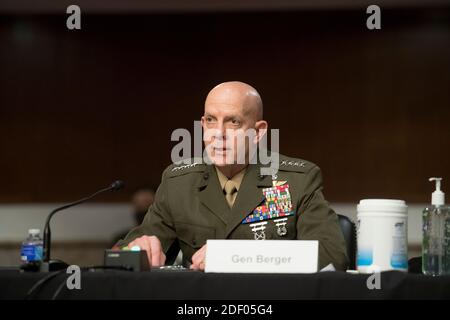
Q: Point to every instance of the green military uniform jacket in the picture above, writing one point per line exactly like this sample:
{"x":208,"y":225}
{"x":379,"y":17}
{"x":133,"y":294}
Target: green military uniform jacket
{"x":190,"y":208}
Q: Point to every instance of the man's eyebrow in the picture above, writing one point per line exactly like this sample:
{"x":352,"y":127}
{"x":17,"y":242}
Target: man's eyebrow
{"x":232,"y":117}
{"x":227,"y":118}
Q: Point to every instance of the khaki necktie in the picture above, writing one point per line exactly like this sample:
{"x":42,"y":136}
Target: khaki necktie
{"x":230,"y":192}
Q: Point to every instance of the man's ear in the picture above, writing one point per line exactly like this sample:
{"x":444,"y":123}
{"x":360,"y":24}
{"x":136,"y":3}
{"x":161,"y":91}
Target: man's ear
{"x":261,"y":129}
{"x":203,"y":122}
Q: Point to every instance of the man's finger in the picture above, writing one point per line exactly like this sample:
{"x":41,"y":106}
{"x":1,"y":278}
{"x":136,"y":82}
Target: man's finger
{"x":198,"y":258}
{"x":163,"y":258}
{"x":143,"y":245}
{"x":131,"y":244}
{"x":155,"y":247}
{"x":201,"y":264}
{"x":194,"y":259}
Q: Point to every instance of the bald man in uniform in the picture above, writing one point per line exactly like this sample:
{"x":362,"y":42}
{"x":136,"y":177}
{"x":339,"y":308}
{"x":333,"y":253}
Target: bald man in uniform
{"x":203,"y":201}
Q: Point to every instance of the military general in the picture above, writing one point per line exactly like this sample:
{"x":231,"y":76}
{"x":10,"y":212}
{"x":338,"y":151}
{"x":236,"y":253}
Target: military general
{"x":230,"y":199}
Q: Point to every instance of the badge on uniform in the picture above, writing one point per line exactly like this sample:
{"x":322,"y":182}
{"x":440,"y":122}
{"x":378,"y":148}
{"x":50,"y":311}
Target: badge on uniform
{"x":277,"y":206}
{"x":258,"y":230}
{"x":281,"y":226}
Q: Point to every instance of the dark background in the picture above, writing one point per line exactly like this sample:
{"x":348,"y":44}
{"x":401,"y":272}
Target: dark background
{"x":79,"y":109}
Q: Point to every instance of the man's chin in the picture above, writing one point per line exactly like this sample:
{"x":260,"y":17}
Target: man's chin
{"x":221,"y":161}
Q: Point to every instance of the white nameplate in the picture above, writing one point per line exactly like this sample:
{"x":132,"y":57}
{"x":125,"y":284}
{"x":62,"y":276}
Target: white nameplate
{"x":262,"y":256}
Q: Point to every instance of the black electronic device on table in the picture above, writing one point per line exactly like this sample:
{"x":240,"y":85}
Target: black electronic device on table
{"x":135,"y":260}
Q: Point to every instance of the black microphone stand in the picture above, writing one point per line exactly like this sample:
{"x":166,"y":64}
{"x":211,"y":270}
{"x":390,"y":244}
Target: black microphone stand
{"x":48,"y":264}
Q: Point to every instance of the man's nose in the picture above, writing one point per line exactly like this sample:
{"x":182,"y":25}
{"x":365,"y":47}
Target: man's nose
{"x":221,"y":131}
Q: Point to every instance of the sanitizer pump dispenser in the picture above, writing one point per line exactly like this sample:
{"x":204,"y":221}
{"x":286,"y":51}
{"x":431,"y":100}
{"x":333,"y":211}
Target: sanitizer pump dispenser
{"x":436,"y":234}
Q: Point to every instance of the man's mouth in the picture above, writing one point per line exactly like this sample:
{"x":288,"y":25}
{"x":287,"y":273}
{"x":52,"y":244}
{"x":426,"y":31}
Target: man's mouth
{"x":221,"y":150}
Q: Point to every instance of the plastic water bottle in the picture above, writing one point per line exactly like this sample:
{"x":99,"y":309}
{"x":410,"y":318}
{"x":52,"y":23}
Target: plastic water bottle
{"x":436,"y":235}
{"x":32,"y":249}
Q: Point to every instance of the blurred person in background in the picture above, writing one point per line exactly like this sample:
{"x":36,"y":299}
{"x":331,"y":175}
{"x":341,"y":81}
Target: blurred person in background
{"x":141,"y":200}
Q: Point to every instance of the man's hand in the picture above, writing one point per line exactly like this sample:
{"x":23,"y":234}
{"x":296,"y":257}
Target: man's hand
{"x":152,"y":245}
{"x":198,"y":259}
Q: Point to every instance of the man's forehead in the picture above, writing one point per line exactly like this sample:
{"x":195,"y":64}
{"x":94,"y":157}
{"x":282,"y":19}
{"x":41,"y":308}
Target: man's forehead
{"x":233,"y":98}
{"x":223,"y":107}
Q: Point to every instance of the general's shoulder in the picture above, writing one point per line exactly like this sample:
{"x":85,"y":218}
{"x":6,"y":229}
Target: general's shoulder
{"x":290,"y":164}
{"x":189,"y":166}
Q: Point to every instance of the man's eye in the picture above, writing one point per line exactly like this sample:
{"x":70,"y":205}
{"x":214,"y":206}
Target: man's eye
{"x":209,"y":119}
{"x":235,"y":122}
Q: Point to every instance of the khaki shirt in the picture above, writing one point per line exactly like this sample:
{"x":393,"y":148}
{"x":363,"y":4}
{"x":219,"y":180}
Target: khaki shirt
{"x":190,"y":208}
{"x":236,"y":179}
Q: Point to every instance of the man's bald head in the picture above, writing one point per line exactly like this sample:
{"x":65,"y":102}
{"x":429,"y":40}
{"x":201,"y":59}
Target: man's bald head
{"x":233,"y":113}
{"x":237,"y":94}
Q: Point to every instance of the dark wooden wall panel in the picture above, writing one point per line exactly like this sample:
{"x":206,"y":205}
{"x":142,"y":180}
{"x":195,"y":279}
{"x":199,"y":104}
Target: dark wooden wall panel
{"x":79,"y":109}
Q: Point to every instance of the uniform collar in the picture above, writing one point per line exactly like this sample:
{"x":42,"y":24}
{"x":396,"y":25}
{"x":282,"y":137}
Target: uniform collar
{"x":237,"y":178}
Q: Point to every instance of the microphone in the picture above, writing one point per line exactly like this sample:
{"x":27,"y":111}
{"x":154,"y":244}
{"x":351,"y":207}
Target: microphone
{"x":52,"y":265}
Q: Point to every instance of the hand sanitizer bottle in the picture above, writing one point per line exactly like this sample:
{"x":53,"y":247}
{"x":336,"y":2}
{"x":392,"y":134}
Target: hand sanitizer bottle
{"x":436,"y":234}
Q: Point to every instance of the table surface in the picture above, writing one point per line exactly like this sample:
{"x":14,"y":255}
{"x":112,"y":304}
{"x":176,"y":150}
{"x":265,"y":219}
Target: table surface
{"x":194,"y":285}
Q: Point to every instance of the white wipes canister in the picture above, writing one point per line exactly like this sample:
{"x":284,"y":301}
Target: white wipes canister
{"x":382,"y":230}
